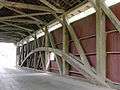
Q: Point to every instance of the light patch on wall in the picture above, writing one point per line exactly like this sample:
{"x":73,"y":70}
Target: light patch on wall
{"x":52,"y":56}
{"x":7,"y":55}
{"x":111,"y":2}
{"x":91,"y":11}
{"x":82,"y":15}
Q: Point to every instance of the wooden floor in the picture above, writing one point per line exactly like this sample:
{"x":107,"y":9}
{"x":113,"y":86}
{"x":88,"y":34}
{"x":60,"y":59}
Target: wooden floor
{"x":21,"y":79}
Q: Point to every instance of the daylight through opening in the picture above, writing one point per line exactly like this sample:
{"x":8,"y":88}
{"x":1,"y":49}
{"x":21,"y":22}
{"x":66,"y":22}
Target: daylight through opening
{"x":7,"y":54}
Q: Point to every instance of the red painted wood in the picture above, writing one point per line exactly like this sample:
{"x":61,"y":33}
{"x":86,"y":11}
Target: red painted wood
{"x":86,"y":28}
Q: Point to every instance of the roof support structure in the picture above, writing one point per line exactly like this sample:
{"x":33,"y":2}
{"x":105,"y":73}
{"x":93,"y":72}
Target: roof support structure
{"x":10,"y":24}
{"x":12,"y":32}
{"x":22,"y":13}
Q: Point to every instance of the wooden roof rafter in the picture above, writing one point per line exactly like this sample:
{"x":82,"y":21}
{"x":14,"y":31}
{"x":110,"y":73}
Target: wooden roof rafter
{"x":24,"y":6}
{"x":25,"y":15}
{"x":39,"y":12}
{"x":31,"y":17}
{"x":12,"y":32}
{"x":21,"y":21}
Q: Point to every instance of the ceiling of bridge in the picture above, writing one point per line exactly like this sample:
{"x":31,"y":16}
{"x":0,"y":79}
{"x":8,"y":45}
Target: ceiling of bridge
{"x":20,"y":18}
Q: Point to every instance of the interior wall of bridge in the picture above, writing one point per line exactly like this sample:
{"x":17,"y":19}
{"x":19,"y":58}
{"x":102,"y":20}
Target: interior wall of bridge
{"x":85,"y":30}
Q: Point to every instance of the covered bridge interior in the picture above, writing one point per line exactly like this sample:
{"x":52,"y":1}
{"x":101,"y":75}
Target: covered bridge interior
{"x":67,"y":39}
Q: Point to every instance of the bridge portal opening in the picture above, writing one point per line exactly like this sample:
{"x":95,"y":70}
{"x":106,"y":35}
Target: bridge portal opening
{"x":7,"y":54}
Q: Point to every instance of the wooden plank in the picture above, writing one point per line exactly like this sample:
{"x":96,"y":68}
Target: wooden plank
{"x":100,"y":42}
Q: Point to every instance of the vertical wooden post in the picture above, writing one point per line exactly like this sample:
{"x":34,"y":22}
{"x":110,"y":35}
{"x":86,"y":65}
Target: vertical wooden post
{"x":100,"y":41}
{"x":28,"y":53}
{"x":65,"y":49}
{"x":35,"y":54}
{"x":46,"y":53}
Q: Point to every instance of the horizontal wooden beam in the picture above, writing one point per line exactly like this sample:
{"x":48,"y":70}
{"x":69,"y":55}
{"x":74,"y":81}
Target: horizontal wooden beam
{"x":2,"y":36}
{"x":9,"y":28}
{"x":25,"y":15}
{"x":12,"y":32}
{"x":31,"y":17}
{"x":22,"y":21}
{"x":10,"y":24}
{"x":24,"y":6}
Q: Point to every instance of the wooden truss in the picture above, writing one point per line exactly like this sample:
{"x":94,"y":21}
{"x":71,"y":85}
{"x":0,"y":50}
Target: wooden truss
{"x":72,"y":60}
{"x":82,"y":63}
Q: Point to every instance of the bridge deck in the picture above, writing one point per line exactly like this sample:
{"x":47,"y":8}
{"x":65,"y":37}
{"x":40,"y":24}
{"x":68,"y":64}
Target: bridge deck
{"x":20,"y":79}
